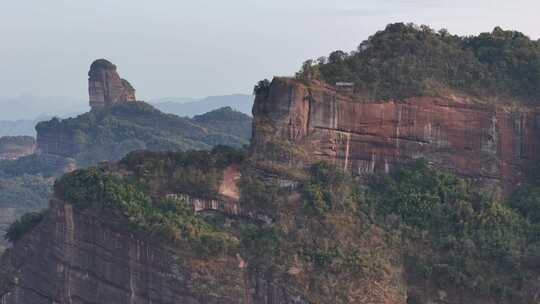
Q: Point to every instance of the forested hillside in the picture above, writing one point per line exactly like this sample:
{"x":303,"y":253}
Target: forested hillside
{"x":406,"y":60}
{"x":111,"y":133}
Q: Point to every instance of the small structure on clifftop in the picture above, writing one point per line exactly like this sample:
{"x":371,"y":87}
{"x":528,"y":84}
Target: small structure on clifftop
{"x":345,"y":86}
{"x":105,"y":86}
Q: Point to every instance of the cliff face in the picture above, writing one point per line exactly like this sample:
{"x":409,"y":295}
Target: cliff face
{"x":90,"y":256}
{"x":105,"y":86}
{"x":14,"y":147}
{"x":86,"y":257}
{"x":56,"y":141}
{"x":487,"y":142}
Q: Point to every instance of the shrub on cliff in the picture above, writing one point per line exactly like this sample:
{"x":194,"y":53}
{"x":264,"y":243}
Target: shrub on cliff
{"x":262,"y":88}
{"x":258,"y":194}
{"x":192,"y":172}
{"x":139,"y":196}
{"x":23,"y":225}
{"x":316,"y":235}
{"x":406,"y":60}
{"x":328,"y":188}
{"x":526,"y":201}
{"x":475,"y":242}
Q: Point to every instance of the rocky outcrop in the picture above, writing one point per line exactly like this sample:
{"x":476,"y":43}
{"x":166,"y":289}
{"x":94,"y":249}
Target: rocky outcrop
{"x":87,"y":256}
{"x":14,"y":147}
{"x":56,"y":146}
{"x":124,"y":124}
{"x":105,"y":86}
{"x":482,"y":141}
{"x":58,"y":143}
{"x":55,"y":139}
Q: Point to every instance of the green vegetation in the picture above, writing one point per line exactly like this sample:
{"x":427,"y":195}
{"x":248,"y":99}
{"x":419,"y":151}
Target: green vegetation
{"x":140,"y":196}
{"x":111,"y":133}
{"x":25,"y":192}
{"x":228,"y":121}
{"x":24,"y":225}
{"x":332,"y":197}
{"x":526,"y":201}
{"x":103,"y":64}
{"x":456,"y":235}
{"x":260,"y":243}
{"x":28,"y":165}
{"x":328,"y":189}
{"x":196,"y":173}
{"x":449,"y":234}
{"x":258,"y":194}
{"x":262,"y":88}
{"x":171,"y":220}
{"x":406,"y":60}
{"x":316,"y":230}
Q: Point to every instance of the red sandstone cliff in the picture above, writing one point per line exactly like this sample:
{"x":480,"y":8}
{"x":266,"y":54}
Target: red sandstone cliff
{"x":105,"y":86}
{"x":492,"y":143}
{"x":90,"y":256}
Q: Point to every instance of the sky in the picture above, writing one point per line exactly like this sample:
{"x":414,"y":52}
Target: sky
{"x":205,"y":47}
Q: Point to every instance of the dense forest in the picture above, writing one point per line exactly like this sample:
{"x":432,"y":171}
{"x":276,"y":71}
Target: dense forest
{"x":406,"y":60}
{"x":110,"y":134}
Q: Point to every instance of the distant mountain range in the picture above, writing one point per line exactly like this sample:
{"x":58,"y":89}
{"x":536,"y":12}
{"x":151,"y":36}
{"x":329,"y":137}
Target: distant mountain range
{"x":28,"y":107}
{"x":20,"y":127}
{"x":181,"y":106}
{"x":191,"y":107}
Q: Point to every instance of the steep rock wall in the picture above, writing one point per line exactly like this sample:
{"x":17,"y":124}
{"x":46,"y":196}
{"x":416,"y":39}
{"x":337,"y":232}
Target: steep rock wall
{"x":56,"y":141}
{"x":481,"y":141}
{"x":105,"y":87}
{"x":86,"y":256}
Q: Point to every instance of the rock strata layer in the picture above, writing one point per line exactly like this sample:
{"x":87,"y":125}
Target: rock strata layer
{"x":487,"y":142}
{"x":86,"y":256}
{"x":105,"y":86}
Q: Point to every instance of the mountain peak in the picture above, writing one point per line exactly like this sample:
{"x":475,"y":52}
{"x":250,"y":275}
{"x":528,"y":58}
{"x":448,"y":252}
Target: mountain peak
{"x":105,"y":87}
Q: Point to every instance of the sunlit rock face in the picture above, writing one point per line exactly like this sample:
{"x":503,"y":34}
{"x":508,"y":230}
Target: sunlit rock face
{"x":482,"y":141}
{"x":105,"y":87}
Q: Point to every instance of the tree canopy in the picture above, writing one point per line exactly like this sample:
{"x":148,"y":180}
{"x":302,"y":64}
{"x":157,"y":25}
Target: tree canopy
{"x":406,"y":60}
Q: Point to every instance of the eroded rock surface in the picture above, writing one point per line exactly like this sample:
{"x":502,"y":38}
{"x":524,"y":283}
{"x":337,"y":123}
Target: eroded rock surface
{"x":105,"y":86}
{"x":76,"y":256}
{"x":488,"y":142}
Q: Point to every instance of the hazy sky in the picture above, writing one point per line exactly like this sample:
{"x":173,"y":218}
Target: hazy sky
{"x":203,"y":47}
